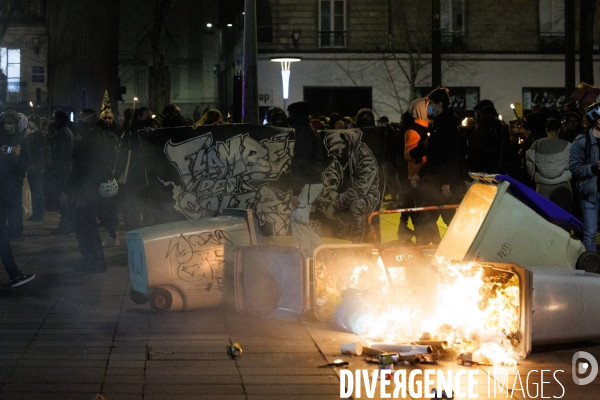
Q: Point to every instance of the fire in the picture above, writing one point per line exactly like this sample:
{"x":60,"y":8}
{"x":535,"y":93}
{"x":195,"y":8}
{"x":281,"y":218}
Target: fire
{"x":477,"y":311}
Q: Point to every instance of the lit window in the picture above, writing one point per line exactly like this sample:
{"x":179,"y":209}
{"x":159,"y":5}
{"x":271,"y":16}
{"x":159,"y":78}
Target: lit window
{"x":332,"y":23}
{"x":10,"y":63}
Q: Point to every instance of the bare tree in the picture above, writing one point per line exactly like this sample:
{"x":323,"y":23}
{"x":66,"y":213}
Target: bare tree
{"x":149,"y":47}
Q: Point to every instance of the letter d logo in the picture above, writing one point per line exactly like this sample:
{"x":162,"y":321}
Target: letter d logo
{"x":580,"y":368}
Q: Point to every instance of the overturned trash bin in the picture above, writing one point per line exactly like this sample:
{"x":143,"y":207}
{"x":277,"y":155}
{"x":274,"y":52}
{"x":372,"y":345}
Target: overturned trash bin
{"x":511,"y":223}
{"x":188,"y":264}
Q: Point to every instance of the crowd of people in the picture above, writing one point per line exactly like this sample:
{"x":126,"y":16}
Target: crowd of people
{"x":84,"y":169}
{"x":90,"y":169}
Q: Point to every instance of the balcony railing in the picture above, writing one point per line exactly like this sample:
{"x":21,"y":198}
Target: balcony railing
{"x":332,"y":39}
{"x":25,"y":11}
{"x":552,"y":43}
{"x":16,"y":93}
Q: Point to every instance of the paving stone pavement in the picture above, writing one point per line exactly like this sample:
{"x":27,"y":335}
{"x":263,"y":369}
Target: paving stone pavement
{"x":69,"y":335}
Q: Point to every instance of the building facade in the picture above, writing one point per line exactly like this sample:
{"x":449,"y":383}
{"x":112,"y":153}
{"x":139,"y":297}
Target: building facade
{"x":377,"y":53}
{"x":24,"y":57}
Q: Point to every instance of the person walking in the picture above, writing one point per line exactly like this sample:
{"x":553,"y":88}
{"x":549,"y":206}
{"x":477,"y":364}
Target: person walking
{"x":415,"y":156}
{"x":440,"y":177}
{"x":584,"y":164}
{"x":17,"y":277}
{"x":90,"y":168}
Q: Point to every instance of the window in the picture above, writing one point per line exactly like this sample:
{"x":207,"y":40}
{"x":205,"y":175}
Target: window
{"x":461,"y":98}
{"x":552,"y":26}
{"x":264,"y":22}
{"x":332,"y":23}
{"x":452,"y":24}
{"x":10,"y":64}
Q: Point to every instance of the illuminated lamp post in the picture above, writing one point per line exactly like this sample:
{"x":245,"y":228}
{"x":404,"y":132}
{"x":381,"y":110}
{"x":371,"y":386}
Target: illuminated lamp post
{"x":285,"y":76}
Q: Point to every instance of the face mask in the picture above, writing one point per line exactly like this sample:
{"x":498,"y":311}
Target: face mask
{"x":9,"y":128}
{"x":430,"y":110}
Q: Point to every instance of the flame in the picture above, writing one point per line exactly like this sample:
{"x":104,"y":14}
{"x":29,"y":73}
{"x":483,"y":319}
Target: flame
{"x":475,"y":313}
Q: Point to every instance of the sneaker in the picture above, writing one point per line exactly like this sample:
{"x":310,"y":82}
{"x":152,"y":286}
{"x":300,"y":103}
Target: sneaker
{"x":21,"y":279}
{"x":110,"y":242}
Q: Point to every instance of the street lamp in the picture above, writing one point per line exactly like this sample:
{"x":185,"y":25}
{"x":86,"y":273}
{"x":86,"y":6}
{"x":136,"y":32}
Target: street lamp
{"x":286,"y":62}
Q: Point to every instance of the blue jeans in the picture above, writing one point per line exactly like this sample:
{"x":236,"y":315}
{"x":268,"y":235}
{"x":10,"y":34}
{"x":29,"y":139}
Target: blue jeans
{"x":590,"y":223}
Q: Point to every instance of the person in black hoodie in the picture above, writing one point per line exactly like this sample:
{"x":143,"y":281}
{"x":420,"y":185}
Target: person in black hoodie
{"x":489,"y":146}
{"x":13,"y":175}
{"x":440,"y":177}
{"x":59,"y":168}
{"x":307,"y":182}
{"x":90,"y":168}
{"x":131,"y":171}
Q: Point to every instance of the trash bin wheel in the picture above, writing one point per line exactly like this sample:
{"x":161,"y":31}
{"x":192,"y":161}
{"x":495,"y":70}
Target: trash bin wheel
{"x":161,"y":300}
{"x":589,"y":262}
{"x":137,"y":297}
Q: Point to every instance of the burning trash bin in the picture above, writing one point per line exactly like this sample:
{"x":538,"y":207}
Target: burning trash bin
{"x":493,"y":311}
{"x":510,"y":223}
{"x":188,"y":264}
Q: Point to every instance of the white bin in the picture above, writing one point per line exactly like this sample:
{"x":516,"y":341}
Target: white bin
{"x":184,"y":265}
{"x":492,"y":225}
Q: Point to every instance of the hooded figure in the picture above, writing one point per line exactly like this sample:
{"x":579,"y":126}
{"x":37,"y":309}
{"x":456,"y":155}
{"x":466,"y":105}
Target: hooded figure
{"x":351,"y":181}
{"x":365,"y":118}
{"x":277,"y":117}
{"x":489,"y":145}
{"x":415,"y":136}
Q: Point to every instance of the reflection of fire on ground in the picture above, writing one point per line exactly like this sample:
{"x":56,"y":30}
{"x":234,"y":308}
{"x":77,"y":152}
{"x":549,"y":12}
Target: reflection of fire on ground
{"x":475,"y":308}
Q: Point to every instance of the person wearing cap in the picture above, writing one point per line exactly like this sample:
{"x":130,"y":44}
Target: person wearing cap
{"x":584,"y":164}
{"x":307,"y":182}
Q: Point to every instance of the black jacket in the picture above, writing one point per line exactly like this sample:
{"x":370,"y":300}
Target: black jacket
{"x":14,"y":168}
{"x":130,"y":141}
{"x":443,"y":149}
{"x":90,"y":168}
{"x":308,"y":155}
{"x":61,"y":154}
{"x":37,"y":151}
{"x":489,"y":148}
